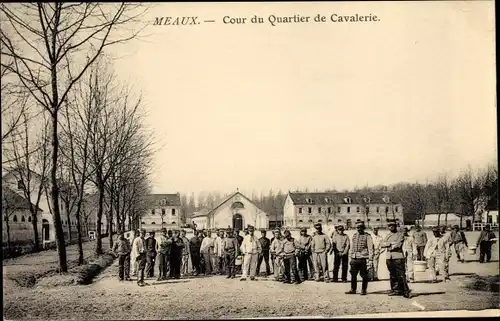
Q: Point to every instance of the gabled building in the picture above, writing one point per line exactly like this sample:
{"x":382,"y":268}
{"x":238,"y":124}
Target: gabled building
{"x":164,"y":210}
{"x":237,"y":212}
{"x":338,"y":208}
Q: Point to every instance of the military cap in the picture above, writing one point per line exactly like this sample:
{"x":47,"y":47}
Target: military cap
{"x":360,"y":224}
{"x":391,"y":222}
{"x":276,"y":230}
{"x":339,"y":227}
{"x":163,"y":230}
{"x":317,"y":225}
{"x":287,"y":232}
{"x":303,"y":229}
{"x":251,"y":228}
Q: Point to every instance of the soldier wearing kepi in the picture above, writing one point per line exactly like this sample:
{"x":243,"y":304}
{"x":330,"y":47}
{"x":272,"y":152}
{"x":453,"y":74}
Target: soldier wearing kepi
{"x":393,"y":243}
{"x":320,"y":246}
{"x":361,"y":254}
{"x":230,"y":246}
{"x":289,"y":250}
{"x":340,"y":248}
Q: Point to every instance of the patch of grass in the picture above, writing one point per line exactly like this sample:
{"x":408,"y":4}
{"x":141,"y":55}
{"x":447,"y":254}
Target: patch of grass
{"x":482,"y":283}
{"x":86,"y":273}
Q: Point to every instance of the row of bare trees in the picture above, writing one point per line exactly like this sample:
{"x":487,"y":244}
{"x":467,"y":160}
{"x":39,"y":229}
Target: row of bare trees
{"x":69,"y":120}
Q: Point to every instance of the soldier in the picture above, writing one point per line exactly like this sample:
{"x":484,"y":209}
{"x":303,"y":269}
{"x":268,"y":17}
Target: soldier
{"x":207,"y":251}
{"x":265,"y":244}
{"x":435,"y":251}
{"x":393,"y":243}
{"x":133,"y":257}
{"x":320,"y":246}
{"x":377,"y":250}
{"x":139,"y":249}
{"x":185,"y":254}
{"x":304,"y":256}
{"x":122,"y":249}
{"x":238,"y":238}
{"x":218,"y":258}
{"x":484,"y":242}
{"x":289,"y":249}
{"x":127,"y":259}
{"x":163,"y":249}
{"x":176,"y":255}
{"x":410,"y":253}
{"x":151,"y":254}
{"x":230,"y":250}
{"x":460,"y":243}
{"x":361,"y":254}
{"x":340,"y":248}
{"x":275,"y":251}
{"x":194,"y":249}
{"x":251,"y":249}
{"x":420,"y":238}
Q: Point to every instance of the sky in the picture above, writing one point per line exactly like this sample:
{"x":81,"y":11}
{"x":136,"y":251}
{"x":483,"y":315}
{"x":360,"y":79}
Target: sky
{"x":255,"y":107}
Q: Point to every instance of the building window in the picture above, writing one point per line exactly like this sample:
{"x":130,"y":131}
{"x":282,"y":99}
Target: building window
{"x":153,"y":222}
{"x":309,"y":200}
{"x":378,"y":209}
{"x":357,"y":209}
{"x":163,"y":202}
{"x":309,"y":210}
{"x":143,"y":223}
{"x":173,"y":212}
{"x":173,"y":223}
{"x":358,"y":220}
{"x":163,"y":211}
{"x":368,"y":220}
{"x":153,"y":211}
{"x":378,"y":220}
{"x":348,"y":200}
{"x":320,"y":221}
{"x":319,"y":210}
{"x":29,"y":218}
{"x":348,"y":209}
{"x":396,"y":209}
{"x":310,"y":221}
{"x":387,"y":209}
{"x":338,"y":209}
{"x":339,"y":220}
{"x":300,"y":210}
{"x":23,"y":219}
{"x":300,"y":221}
{"x":327,"y":200}
{"x":329,"y":210}
{"x":330,"y":220}
{"x":20,"y":184}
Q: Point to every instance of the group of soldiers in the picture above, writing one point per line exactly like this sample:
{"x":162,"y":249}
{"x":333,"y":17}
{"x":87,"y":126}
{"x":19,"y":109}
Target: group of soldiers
{"x":297,"y":260}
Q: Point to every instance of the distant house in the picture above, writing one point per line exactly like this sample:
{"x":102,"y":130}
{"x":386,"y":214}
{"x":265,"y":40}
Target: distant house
{"x":164,"y":210}
{"x":237,"y":212}
{"x":11,"y":179}
{"x":338,"y":208}
{"x":17,"y":219}
{"x":431,"y":220}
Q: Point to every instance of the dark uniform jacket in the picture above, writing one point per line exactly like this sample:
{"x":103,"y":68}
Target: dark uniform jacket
{"x":151,"y":245}
{"x":265,"y":243}
{"x":176,"y":247}
{"x":195,"y":244}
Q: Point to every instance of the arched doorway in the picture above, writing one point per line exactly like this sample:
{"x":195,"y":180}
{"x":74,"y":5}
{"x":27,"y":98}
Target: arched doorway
{"x":45,"y":230}
{"x":238,"y":222}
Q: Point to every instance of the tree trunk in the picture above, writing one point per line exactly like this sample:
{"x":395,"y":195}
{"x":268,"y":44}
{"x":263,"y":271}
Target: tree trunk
{"x":110,"y":223}
{"x":98,"y":244}
{"x":79,"y":231}
{"x":446,"y":219}
{"x":461,"y":218}
{"x":34,"y":222}
{"x":61,"y":245}
{"x":439,"y":219}
{"x":68,"y":216}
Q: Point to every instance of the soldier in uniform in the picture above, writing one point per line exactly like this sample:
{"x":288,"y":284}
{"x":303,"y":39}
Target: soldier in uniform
{"x":275,"y":251}
{"x":230,"y":249}
{"x":320,"y":246}
{"x":163,"y":253}
{"x":289,"y":248}
{"x":265,"y":244}
{"x":304,"y":256}
{"x":340,"y":248}
{"x":176,"y":255}
{"x":361,"y":253}
{"x":151,"y":255}
{"x":194,"y":249}
{"x":393,"y":243}
{"x":185,"y":254}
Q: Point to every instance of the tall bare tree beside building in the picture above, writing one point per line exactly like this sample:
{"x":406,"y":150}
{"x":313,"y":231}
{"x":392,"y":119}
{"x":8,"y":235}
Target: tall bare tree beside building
{"x":51,"y":46}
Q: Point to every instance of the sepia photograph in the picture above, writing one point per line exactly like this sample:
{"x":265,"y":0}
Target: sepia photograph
{"x":246,"y":160}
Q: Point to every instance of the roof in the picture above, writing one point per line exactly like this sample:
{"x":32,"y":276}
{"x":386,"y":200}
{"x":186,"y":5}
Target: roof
{"x":340,"y":198}
{"x":200,"y":213}
{"x":13,"y":200}
{"x":230,"y":197}
{"x":170,"y":199}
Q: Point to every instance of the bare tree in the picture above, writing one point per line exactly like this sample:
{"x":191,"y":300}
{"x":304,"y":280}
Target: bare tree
{"x":51,"y":46}
{"x":29,"y":157}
